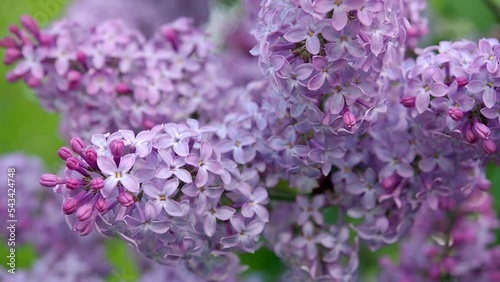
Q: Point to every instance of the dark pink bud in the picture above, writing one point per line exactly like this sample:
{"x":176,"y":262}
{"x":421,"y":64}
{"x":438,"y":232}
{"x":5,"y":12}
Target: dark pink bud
{"x":72,"y":163}
{"x":390,"y":182}
{"x":148,"y":123}
{"x":12,"y":55}
{"x":123,"y":88}
{"x":77,"y":145}
{"x":117,"y":148}
{"x":15,"y":30}
{"x":8,"y":42}
{"x":101,"y":204}
{"x":349,"y":119}
{"x":126,"y":199}
{"x":65,"y":153}
{"x":49,"y":180}
{"x":456,"y":114}
{"x":483,"y":184}
{"x":82,"y":57}
{"x":84,"y":212}
{"x":469,"y":135}
{"x":481,"y":130}
{"x":70,"y":206}
{"x":462,"y":81}
{"x":73,"y":78}
{"x":33,"y":82}
{"x":408,"y":101}
{"x":72,"y":183}
{"x":91,"y":155}
{"x":84,"y":227}
{"x":12,"y":77}
{"x":97,"y":183}
{"x":30,"y":24}
{"x":170,"y":34}
{"x":489,"y":146}
{"x":46,"y":39}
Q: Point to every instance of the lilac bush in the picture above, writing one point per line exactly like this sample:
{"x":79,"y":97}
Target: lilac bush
{"x":191,"y":156}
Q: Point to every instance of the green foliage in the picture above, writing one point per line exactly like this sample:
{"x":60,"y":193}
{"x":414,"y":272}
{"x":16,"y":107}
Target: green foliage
{"x":25,"y":256}
{"x":122,"y":260}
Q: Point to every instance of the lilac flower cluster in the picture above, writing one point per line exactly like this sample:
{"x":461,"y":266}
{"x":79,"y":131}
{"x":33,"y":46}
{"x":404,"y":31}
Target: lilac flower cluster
{"x":175,"y":192}
{"x":110,"y":76}
{"x":62,"y":255}
{"x":452,"y":243}
{"x":452,"y":89}
{"x":331,"y":57}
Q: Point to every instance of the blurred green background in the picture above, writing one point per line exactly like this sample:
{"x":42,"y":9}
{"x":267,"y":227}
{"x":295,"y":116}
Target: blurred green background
{"x":27,"y":127}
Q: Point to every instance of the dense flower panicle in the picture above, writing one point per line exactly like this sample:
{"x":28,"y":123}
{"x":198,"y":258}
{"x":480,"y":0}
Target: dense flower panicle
{"x":452,"y":89}
{"x":452,"y":243}
{"x":146,"y":16}
{"x":109,"y":76}
{"x":62,"y":255}
{"x":172,"y":196}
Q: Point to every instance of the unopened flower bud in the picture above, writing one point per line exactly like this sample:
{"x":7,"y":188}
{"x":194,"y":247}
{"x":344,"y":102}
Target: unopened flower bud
{"x":84,"y":227}
{"x":489,"y":146}
{"x":30,"y":24}
{"x":49,"y":180}
{"x":91,"y":156}
{"x":70,"y":206}
{"x":456,"y":114}
{"x":469,"y":134}
{"x":390,"y":182}
{"x":126,"y":199}
{"x":84,"y":212}
{"x":349,"y":119}
{"x":101,"y":204}
{"x":408,"y":101}
{"x":97,"y":183}
{"x":77,"y":144}
{"x":65,"y":153}
{"x":481,"y":130}
{"x":12,"y":55}
{"x":117,"y":148}
{"x":73,"y":78}
{"x":123,"y":88}
{"x":72,"y":183}
{"x":462,"y":81}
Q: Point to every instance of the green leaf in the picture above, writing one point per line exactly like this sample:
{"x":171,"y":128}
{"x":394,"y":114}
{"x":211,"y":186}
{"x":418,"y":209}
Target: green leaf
{"x":122,"y":260}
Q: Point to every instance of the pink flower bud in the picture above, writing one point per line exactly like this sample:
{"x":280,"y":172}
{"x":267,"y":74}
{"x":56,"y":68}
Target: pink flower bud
{"x":12,"y":55}
{"x":15,"y":30}
{"x":349,"y":119}
{"x":408,"y":101}
{"x":84,"y":212}
{"x":170,"y":34}
{"x":97,"y":183}
{"x":81,"y":57}
{"x":49,"y":180}
{"x":91,"y":156}
{"x":117,"y":148}
{"x":46,"y":40}
{"x":84,"y":227}
{"x":65,"y":153}
{"x":123,"y":88}
{"x":489,"y":146}
{"x":8,"y":42}
{"x":390,"y":182}
{"x":72,"y":163}
{"x":456,"y":114}
{"x":30,"y":24}
{"x":481,"y":130}
{"x":33,"y":82}
{"x":72,"y":183}
{"x":70,"y":206}
{"x":77,"y":145}
{"x":483,"y":184}
{"x":126,"y":199}
{"x":73,"y":78}
{"x":469,"y":135}
{"x":101,"y":204}
{"x":462,"y":81}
